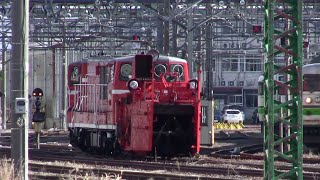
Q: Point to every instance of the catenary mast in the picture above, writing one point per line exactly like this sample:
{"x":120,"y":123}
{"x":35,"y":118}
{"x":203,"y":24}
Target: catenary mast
{"x":291,"y":52}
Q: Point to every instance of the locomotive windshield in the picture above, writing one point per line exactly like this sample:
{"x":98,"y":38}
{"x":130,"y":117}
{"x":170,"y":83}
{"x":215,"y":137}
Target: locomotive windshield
{"x":174,"y":70}
{"x":170,"y":72}
{"x":125,"y":71}
{"x":311,"y":82}
{"x":160,"y":69}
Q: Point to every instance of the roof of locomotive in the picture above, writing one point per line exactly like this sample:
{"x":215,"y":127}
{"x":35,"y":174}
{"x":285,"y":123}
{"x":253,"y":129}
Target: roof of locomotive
{"x":162,"y":59}
{"x":311,"y":68}
{"x":93,"y":59}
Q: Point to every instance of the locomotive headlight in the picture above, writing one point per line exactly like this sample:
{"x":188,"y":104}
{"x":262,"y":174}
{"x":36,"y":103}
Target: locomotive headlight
{"x":193,"y":84}
{"x":133,"y":85}
{"x":308,"y":100}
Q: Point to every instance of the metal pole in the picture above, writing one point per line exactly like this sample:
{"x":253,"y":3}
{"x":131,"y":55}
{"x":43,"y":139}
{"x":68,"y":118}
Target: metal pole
{"x":20,"y":73}
{"x":166,"y":28}
{"x":160,"y":31}
{"x":208,"y":63}
{"x":174,"y":49}
{"x":4,"y":82}
{"x":64,"y":82}
{"x":38,"y":140}
{"x":190,"y":40}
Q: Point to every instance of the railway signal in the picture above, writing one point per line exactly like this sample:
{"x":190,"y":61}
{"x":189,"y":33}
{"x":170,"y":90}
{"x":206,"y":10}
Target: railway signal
{"x":37,"y":92}
{"x":256,"y":29}
{"x":38,"y":116}
{"x":136,"y":38}
{"x":305,"y":44}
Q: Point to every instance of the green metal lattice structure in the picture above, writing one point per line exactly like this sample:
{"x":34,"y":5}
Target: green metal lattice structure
{"x":285,"y":113}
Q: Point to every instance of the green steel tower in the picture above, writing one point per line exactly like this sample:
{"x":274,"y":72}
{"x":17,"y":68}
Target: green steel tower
{"x":283,"y":43}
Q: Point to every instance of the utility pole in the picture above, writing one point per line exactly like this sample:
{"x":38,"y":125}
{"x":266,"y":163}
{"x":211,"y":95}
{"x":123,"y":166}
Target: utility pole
{"x":4,"y":81}
{"x":276,"y":11}
{"x":209,"y":61}
{"x":19,"y":89}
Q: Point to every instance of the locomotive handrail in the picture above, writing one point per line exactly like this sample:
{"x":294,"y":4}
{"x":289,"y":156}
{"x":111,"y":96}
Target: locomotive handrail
{"x":81,"y":98}
{"x":78,"y":105}
{"x":86,"y":99}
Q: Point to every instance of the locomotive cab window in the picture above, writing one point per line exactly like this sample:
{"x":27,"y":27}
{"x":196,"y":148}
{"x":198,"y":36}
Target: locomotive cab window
{"x":106,"y":74}
{"x":160,"y":69}
{"x":311,"y":83}
{"x":74,"y":75}
{"x":111,"y":72}
{"x":125,"y":71}
{"x":106,"y":77}
{"x":177,"y":71}
{"x":103,"y":70}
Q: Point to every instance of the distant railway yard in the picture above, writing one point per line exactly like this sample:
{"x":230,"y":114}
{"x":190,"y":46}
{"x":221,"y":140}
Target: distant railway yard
{"x":236,"y":154}
{"x":159,"y":89}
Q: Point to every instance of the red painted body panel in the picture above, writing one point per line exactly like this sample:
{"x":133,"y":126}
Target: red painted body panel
{"x":141,"y":127}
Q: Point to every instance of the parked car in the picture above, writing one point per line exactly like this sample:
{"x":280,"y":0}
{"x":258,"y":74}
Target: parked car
{"x":232,"y":116}
{"x":240,"y":108}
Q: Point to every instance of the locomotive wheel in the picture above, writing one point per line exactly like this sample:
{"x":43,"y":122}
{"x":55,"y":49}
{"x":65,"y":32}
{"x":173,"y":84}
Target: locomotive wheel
{"x":108,"y":147}
{"x":117,"y":149}
{"x":82,"y":139}
{"x":73,"y":139}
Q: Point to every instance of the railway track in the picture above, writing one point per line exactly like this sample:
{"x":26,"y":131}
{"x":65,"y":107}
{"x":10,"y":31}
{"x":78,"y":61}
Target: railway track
{"x":248,"y":149}
{"x":56,"y":171}
{"x":197,"y":167}
{"x":203,"y":168}
{"x":212,"y":166}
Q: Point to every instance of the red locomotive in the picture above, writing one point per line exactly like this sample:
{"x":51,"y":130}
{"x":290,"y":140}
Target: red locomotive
{"x":139,"y":104}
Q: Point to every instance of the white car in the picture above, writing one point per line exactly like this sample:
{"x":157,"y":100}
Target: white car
{"x":232,"y":116}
